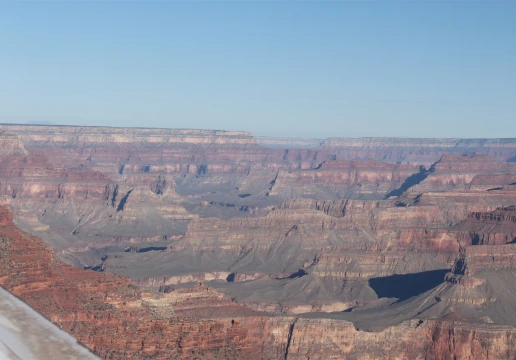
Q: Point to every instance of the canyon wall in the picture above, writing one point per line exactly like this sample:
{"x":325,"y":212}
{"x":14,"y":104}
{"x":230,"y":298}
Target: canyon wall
{"x":116,"y":320}
{"x":342,"y":248}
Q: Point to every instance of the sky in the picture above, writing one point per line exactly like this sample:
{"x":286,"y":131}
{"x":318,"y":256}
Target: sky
{"x":276,"y":68}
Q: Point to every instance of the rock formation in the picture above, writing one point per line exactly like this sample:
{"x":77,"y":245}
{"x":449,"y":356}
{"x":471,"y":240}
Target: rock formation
{"x":341,"y":248}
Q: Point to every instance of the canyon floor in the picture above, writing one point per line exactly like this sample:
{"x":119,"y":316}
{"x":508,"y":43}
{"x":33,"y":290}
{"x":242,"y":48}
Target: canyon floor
{"x":160,"y":243}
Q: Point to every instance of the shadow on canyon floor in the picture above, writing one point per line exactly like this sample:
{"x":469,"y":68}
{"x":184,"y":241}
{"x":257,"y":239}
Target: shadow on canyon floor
{"x":406,"y":286}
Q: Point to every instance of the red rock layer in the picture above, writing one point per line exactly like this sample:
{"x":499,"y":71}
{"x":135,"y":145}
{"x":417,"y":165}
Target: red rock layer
{"x":108,"y":314}
{"x":477,"y":259}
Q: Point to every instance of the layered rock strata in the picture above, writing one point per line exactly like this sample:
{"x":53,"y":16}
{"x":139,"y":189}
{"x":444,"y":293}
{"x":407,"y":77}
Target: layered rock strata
{"x":116,"y":320}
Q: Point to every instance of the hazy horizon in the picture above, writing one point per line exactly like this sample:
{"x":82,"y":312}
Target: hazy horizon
{"x":281,"y":69}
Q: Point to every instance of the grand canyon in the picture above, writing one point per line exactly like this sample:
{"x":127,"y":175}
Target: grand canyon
{"x":203,"y":244}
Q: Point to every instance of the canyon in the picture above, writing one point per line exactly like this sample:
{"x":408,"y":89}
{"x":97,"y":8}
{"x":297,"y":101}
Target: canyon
{"x":160,"y":243}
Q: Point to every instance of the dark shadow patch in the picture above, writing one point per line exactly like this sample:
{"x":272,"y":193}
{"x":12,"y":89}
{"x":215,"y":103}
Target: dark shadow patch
{"x":152,"y":248}
{"x":405,"y":286}
{"x":496,"y":188}
{"x":98,"y":268}
{"x":217,"y":203}
{"x":320,"y":165}
{"x":244,"y":195}
{"x":160,"y":186}
{"x":460,"y":267}
{"x":115,"y":194}
{"x":122,"y":202}
{"x":412,"y":180}
{"x":297,"y":274}
{"x":202,"y":170}
{"x":231,"y":277}
{"x":273,"y":182}
{"x":512,"y":160}
{"x":475,"y":240}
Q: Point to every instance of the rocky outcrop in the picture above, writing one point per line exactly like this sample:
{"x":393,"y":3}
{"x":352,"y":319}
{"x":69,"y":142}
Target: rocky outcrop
{"x":166,"y":282}
{"x":409,"y":340}
{"x":10,"y":144}
{"x":418,"y":151}
{"x":478,"y":259}
{"x":488,"y":228}
{"x":504,"y":215}
{"x":473,"y":172}
{"x":331,"y":208}
{"x":341,"y":179}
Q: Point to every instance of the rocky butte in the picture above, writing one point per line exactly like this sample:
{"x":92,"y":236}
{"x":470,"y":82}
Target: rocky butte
{"x":160,"y":243}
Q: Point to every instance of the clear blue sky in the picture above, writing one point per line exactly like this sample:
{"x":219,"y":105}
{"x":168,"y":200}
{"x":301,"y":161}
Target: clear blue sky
{"x":309,"y":69}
